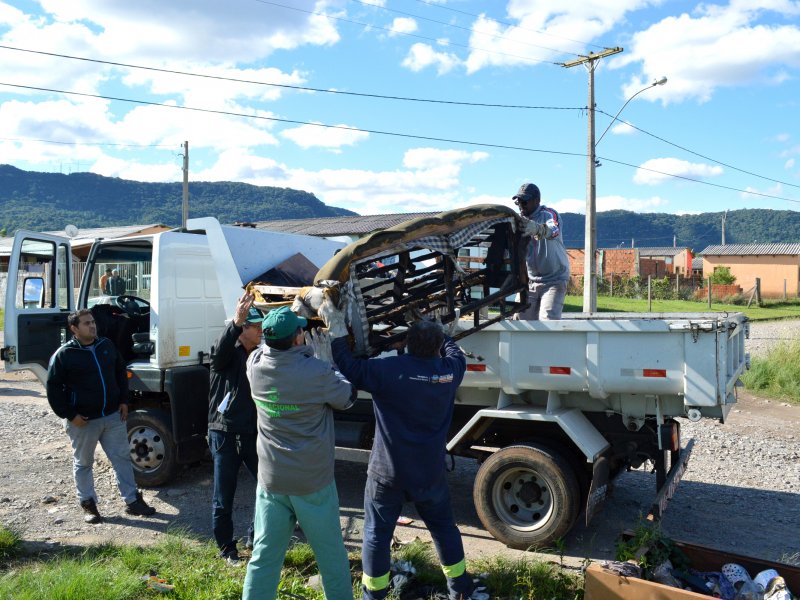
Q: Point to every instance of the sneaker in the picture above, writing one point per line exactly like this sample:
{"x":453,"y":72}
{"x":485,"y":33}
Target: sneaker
{"x":231,"y":557}
{"x":92,"y":514}
{"x":139,"y":507}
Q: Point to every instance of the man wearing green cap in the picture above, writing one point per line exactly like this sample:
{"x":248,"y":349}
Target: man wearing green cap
{"x":295,"y":394}
{"x":232,"y":420}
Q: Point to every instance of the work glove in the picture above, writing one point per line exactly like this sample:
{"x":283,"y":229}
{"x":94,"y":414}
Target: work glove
{"x":319,"y":341}
{"x":535,"y":230}
{"x":333,"y":318}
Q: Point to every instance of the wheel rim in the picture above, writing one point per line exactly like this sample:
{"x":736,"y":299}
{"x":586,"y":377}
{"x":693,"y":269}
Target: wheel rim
{"x":147,"y":448}
{"x":523,"y":499}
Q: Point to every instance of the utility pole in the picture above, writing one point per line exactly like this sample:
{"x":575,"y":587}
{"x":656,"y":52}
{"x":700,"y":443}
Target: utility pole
{"x":674,"y":241}
{"x":185,"y":204}
{"x":590,"y":236}
{"x":724,"y":217}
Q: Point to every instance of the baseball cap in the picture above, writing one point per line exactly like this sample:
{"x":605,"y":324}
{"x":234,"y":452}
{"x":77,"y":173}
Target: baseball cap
{"x":281,"y":322}
{"x":527,"y":191}
{"x":254,"y":315}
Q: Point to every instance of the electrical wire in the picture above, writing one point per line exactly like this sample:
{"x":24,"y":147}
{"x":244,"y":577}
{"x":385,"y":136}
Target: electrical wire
{"x":506,"y":23}
{"x":414,"y":35}
{"x":289,"y":86}
{"x":454,"y":26}
{"x":295,"y":122}
{"x":393,"y":134}
{"x":719,"y":162}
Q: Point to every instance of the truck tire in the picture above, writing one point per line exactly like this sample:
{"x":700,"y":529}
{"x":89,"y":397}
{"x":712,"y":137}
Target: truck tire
{"x":153,"y":451}
{"x":527,"y":496}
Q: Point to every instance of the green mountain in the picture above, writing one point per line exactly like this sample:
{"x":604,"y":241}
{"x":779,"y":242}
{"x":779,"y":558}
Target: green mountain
{"x":746,"y":226}
{"x":49,"y":201}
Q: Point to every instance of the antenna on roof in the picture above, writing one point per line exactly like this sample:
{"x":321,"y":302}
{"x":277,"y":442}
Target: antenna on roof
{"x":71,"y":231}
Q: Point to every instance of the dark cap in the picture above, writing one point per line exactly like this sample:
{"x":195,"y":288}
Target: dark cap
{"x":528,"y":192}
{"x":254,"y":315}
{"x":281,"y":323}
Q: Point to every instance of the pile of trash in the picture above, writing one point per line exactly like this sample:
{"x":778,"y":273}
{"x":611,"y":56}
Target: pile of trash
{"x":650,"y":555}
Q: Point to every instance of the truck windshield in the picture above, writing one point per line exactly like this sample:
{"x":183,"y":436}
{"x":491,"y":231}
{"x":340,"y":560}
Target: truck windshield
{"x":118,"y":269}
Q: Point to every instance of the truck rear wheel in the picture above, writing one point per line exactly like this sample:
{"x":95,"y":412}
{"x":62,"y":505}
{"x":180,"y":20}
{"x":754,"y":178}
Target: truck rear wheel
{"x":152,"y":447}
{"x":526,"y":496}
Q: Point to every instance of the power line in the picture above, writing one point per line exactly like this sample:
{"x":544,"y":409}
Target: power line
{"x":289,"y":86}
{"x":454,"y":26}
{"x":294,"y":122}
{"x":10,"y":139}
{"x":717,"y":185}
{"x":719,"y":162}
{"x":389,"y":133}
{"x":506,"y":23}
{"x":414,"y":35}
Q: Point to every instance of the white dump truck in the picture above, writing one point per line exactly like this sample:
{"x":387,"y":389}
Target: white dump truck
{"x":552,"y":410}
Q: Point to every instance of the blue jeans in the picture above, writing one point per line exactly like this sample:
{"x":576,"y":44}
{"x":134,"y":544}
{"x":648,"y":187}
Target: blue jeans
{"x":113,"y":437}
{"x":318,"y":515}
{"x":229,"y":451}
{"x":382,"y":507}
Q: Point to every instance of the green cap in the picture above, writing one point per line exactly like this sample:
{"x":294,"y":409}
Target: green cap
{"x":281,"y":322}
{"x":254,"y":315}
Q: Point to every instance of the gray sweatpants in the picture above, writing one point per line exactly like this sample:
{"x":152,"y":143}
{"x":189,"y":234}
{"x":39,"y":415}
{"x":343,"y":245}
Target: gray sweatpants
{"x":113,"y":437}
{"x":547,"y":300}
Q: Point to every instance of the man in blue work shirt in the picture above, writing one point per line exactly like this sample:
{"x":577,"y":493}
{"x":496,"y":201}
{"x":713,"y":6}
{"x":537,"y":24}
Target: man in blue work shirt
{"x":413,"y":396}
{"x":87,"y":386}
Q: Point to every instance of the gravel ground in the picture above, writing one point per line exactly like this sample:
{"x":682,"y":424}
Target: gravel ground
{"x":765,"y":334}
{"x":741,"y":492}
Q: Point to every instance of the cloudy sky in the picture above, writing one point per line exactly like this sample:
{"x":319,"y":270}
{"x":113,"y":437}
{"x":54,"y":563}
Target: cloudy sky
{"x":384,"y":106}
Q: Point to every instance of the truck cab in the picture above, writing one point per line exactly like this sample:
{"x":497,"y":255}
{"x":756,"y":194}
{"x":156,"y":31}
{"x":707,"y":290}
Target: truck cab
{"x":179,"y":287}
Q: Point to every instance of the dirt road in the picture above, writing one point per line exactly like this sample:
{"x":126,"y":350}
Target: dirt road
{"x":741,"y":493}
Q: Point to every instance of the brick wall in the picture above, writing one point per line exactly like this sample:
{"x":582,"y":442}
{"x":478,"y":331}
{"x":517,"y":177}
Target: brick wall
{"x":620,"y":261}
{"x":718,"y":291}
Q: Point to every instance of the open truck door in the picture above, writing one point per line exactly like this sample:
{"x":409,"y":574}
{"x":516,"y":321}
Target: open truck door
{"x":39,"y":296}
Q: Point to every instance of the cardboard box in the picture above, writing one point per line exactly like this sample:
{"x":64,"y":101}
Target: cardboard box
{"x":602,"y":584}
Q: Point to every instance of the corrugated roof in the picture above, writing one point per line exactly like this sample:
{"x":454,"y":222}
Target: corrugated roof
{"x":697,"y":264}
{"x":331,"y":226}
{"x":751,"y":249}
{"x":659,"y":251}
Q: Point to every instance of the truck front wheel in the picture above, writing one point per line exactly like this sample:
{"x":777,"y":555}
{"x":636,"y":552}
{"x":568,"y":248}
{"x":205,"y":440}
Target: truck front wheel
{"x":152,"y":447}
{"x":526,"y":496}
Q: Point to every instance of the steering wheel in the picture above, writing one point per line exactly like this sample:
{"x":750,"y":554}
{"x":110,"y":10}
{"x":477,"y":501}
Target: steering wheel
{"x":132,"y":305}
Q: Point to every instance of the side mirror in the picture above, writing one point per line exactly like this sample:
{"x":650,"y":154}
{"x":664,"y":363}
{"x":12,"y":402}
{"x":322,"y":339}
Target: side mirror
{"x":33,"y":292}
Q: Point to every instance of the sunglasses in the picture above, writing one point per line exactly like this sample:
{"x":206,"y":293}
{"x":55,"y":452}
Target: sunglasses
{"x":521,"y":201}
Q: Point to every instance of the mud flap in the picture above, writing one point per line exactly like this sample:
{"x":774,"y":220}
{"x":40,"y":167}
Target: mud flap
{"x":667,"y":491}
{"x":598,"y":490}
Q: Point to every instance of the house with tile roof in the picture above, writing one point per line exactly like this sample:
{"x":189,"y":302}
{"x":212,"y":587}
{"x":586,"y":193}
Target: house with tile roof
{"x":776,"y":265}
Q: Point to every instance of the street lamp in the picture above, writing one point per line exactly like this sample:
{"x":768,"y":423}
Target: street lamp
{"x":590,"y":245}
{"x":661,"y":81}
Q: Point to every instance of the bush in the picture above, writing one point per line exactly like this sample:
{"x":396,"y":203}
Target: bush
{"x":722,"y":276}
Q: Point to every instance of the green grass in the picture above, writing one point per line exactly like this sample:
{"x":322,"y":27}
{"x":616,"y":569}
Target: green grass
{"x":108,"y":571}
{"x":777,"y":374}
{"x":771,"y":309}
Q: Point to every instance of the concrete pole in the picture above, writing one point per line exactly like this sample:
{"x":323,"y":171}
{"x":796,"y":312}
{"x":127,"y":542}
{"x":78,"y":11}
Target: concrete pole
{"x":185,"y":203}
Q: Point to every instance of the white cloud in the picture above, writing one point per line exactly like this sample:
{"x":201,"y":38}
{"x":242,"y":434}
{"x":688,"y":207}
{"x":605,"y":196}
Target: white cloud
{"x":789,"y":164}
{"x":614,"y":202}
{"x":429,"y":181}
{"x":402,"y":25}
{"x":716,"y":46}
{"x":659,"y":170}
{"x":544,"y":31}
{"x":315,"y":136}
{"x":421,"y":56}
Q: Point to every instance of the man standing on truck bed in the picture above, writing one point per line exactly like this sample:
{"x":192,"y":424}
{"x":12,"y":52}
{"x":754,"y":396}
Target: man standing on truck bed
{"x":545,"y":256}
{"x":87,"y":386}
{"x":413,"y":396}
{"x":295,"y":395}
{"x":232,"y":420}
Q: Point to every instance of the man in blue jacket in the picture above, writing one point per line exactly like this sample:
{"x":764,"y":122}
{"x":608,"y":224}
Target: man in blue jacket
{"x":232,"y":420}
{"x":87,"y":386}
{"x":545,"y":256}
{"x":413,"y":396}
